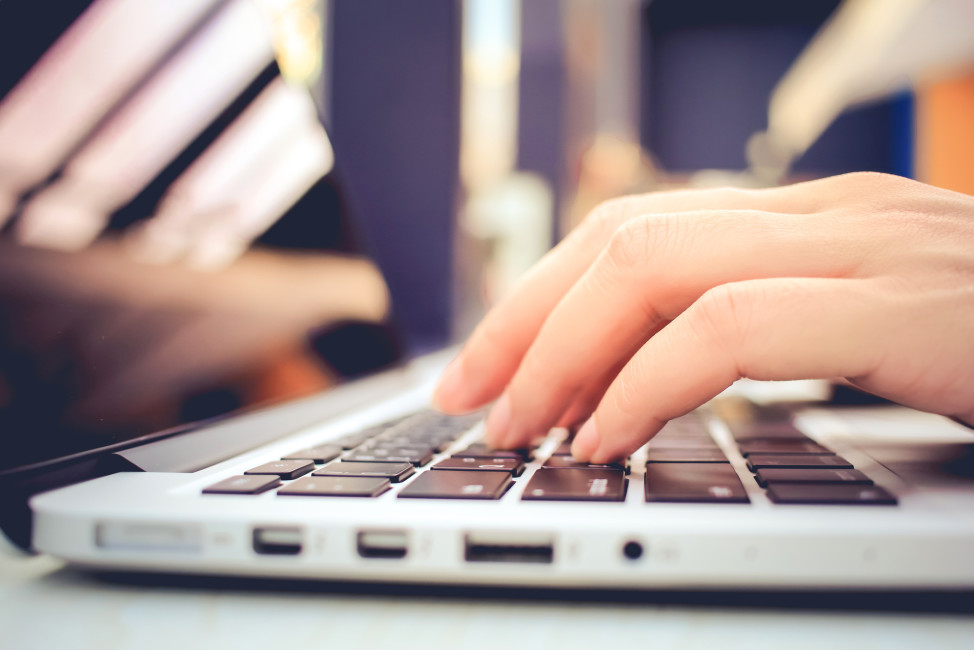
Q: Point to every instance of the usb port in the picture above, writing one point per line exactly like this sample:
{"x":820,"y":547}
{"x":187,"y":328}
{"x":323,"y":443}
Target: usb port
{"x":391,"y":544}
{"x":517,"y":548}
{"x":277,"y":541}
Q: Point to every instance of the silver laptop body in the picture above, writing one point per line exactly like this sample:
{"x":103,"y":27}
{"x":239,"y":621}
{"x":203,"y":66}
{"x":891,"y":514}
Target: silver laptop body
{"x":163,"y":521}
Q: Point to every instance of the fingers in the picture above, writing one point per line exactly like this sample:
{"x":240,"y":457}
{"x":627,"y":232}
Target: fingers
{"x":496,"y":348}
{"x":585,"y":401}
{"x":780,"y":328}
{"x":652,"y":269}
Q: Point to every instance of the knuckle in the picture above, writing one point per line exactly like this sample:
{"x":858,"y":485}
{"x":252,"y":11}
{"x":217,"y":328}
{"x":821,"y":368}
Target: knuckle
{"x":494,"y":336}
{"x":733,"y":195}
{"x":637,"y":261}
{"x":856,"y":182}
{"x":723,"y":315}
{"x":646,"y":239}
{"x":858,"y":177}
{"x":608,"y":216}
{"x":628,"y":396}
{"x":629,"y":244}
{"x":874,"y":177}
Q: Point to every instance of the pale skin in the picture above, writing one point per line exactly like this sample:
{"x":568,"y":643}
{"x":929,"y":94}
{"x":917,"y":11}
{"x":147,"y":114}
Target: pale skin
{"x":657,"y":303}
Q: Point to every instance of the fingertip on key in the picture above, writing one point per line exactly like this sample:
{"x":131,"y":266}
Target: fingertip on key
{"x":498,"y":424}
{"x":448,"y":394}
{"x":586,"y":442}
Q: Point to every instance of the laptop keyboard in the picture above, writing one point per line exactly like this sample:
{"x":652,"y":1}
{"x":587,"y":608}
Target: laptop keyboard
{"x":428,"y":455}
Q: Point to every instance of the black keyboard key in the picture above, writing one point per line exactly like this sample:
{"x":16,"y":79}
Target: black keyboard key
{"x":405,"y":440}
{"x":430,"y":432}
{"x":673,"y":442}
{"x":481,"y":450}
{"x":435,"y":445}
{"x":388,"y":424}
{"x":686,"y":425}
{"x":674,"y":429}
{"x":796,"y":461}
{"x":567,"y":462}
{"x":318,"y":453}
{"x":830,"y":494}
{"x":742,"y":431}
{"x":404,"y":455}
{"x":511,"y":465}
{"x":353,"y":440}
{"x":389,"y":443}
{"x":457,"y":484}
{"x":683,"y":433}
{"x":396,"y":448}
{"x":553,"y":484}
{"x":336,"y":486}
{"x":439,"y":446}
{"x":395,"y":472}
{"x":809,"y":447}
{"x":688,"y":455}
{"x":455,"y":423}
{"x":676,"y":435}
{"x":693,"y":483}
{"x":436,"y":425}
{"x":244,"y":485}
{"x":774,"y":476}
{"x":286,"y":469}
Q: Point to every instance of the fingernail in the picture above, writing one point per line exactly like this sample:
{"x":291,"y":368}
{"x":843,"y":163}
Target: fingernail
{"x":498,"y":422}
{"x":586,"y":442}
{"x":448,"y":389}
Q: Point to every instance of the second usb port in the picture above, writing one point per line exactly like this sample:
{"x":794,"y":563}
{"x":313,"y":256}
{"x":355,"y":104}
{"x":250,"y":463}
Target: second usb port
{"x":392,"y":544}
{"x":520,"y":548}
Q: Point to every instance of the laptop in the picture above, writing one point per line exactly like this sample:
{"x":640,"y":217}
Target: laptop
{"x":194,"y":383}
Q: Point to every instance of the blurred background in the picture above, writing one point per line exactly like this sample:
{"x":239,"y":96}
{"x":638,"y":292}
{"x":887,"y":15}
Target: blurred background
{"x":479,"y":132}
{"x":212,"y":204}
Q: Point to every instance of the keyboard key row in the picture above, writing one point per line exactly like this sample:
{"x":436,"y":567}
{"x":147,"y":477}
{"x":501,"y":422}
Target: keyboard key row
{"x":796,"y":470}
{"x":684,"y":465}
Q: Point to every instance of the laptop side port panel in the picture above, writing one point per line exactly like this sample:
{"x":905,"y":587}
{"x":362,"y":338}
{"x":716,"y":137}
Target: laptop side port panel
{"x":278,"y":540}
{"x":522,"y":548}
{"x":388,"y":544}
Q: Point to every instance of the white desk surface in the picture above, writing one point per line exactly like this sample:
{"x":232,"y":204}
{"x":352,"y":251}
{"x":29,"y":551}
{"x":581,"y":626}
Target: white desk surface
{"x":44,"y":604}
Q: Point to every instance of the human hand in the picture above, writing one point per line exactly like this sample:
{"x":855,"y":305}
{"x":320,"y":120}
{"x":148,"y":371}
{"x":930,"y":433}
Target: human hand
{"x":657,"y":303}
